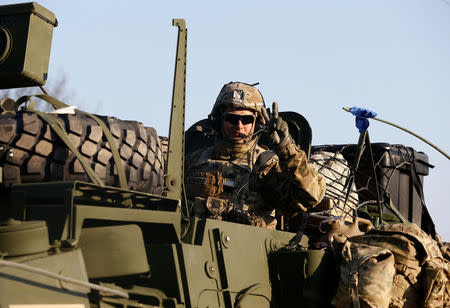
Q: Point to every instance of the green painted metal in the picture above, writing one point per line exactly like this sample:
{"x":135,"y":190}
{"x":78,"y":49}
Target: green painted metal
{"x":212,"y":263}
{"x":68,"y":206}
{"x":175,"y":157}
{"x":21,"y":238}
{"x":25,"y":35}
{"x":106,"y":248}
{"x":223,"y":264}
{"x":308,"y":277}
{"x":27,"y":288}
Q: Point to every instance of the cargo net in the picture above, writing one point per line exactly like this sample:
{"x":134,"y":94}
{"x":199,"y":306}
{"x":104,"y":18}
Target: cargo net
{"x":333,"y":162}
{"x":335,"y":169}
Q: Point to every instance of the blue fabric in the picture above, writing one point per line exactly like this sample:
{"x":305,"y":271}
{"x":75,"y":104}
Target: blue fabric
{"x":361,"y":117}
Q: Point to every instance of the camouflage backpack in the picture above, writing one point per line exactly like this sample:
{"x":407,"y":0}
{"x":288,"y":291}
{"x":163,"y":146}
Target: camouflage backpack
{"x":416,"y":276}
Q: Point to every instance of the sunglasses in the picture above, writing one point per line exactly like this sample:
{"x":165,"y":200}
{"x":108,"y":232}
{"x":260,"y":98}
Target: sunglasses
{"x":235,"y":118}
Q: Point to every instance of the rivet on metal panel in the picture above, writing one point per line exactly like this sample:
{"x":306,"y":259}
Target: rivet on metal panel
{"x":210,"y":270}
{"x":226,"y":240}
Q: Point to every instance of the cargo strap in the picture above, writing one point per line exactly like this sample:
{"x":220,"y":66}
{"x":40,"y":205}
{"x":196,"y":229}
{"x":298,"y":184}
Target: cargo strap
{"x":410,"y":270}
{"x":114,"y":150}
{"x":301,"y":229}
{"x":353,"y":280}
{"x":353,"y":283}
{"x":427,"y":222}
{"x":59,"y":130}
{"x":390,"y":205}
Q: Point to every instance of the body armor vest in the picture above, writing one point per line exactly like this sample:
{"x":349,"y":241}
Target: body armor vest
{"x":218,"y":188}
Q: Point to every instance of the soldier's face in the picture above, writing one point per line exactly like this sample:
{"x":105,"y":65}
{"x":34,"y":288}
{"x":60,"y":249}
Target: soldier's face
{"x":237,"y":123}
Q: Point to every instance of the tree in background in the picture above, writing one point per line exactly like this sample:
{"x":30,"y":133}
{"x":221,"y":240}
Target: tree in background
{"x":57,"y":87}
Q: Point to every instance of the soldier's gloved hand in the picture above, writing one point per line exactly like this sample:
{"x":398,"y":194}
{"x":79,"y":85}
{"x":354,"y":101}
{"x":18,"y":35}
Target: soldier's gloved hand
{"x":278,"y":133}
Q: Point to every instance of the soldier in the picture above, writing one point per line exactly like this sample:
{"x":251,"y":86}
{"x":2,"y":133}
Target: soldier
{"x":237,"y":179}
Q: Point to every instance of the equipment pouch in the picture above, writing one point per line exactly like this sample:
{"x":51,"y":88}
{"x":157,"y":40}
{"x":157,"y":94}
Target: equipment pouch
{"x":366,"y":276}
{"x":436,"y":287}
{"x":204,"y":184}
{"x":216,"y":206}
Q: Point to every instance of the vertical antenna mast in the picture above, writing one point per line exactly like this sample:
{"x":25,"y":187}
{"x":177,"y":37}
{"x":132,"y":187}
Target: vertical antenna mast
{"x":175,"y":156}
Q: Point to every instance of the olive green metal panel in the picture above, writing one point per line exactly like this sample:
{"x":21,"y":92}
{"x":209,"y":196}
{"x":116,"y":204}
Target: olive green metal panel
{"x":157,"y":226}
{"x":23,"y":238}
{"x":238,"y":257}
{"x":220,"y":264}
{"x":233,"y":265}
{"x":226,"y":264}
{"x":25,"y":39}
{"x":165,"y":271}
{"x":19,"y":287}
{"x":68,"y":206}
{"x":308,"y":277}
{"x":113,"y":251}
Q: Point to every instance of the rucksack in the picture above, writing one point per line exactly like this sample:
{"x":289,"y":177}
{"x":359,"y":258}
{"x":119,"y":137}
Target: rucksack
{"x":421,"y":277}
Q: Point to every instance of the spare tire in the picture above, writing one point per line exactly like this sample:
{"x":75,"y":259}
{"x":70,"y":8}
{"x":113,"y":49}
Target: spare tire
{"x":31,"y":152}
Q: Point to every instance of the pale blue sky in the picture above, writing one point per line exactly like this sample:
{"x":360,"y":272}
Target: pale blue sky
{"x":313,"y":57}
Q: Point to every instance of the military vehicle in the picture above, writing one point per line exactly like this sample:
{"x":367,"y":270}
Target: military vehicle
{"x":93,"y":210}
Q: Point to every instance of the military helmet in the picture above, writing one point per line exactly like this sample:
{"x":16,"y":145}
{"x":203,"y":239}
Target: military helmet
{"x":238,"y":95}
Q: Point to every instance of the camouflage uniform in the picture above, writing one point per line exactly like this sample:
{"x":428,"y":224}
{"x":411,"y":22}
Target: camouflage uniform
{"x":245,"y":183}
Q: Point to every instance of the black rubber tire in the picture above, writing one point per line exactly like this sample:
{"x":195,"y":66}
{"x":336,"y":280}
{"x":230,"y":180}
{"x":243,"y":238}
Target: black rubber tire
{"x":31,"y":152}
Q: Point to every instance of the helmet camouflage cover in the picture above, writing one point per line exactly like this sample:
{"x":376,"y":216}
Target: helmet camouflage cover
{"x":238,"y":95}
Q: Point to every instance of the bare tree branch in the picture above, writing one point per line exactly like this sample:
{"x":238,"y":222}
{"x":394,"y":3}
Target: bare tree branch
{"x":57,"y":87}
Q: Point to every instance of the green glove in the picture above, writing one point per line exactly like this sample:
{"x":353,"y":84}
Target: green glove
{"x":278,"y":133}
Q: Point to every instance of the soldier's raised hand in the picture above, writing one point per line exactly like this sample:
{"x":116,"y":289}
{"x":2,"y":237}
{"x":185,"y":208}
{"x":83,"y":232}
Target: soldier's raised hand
{"x":278,"y":129}
{"x":278,"y":133}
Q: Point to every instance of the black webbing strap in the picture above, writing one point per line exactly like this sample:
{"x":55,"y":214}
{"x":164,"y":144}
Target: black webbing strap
{"x":353,"y":276}
{"x":427,"y":223}
{"x":114,"y":150}
{"x":354,"y":282}
{"x":295,"y":241}
{"x":375,"y":178}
